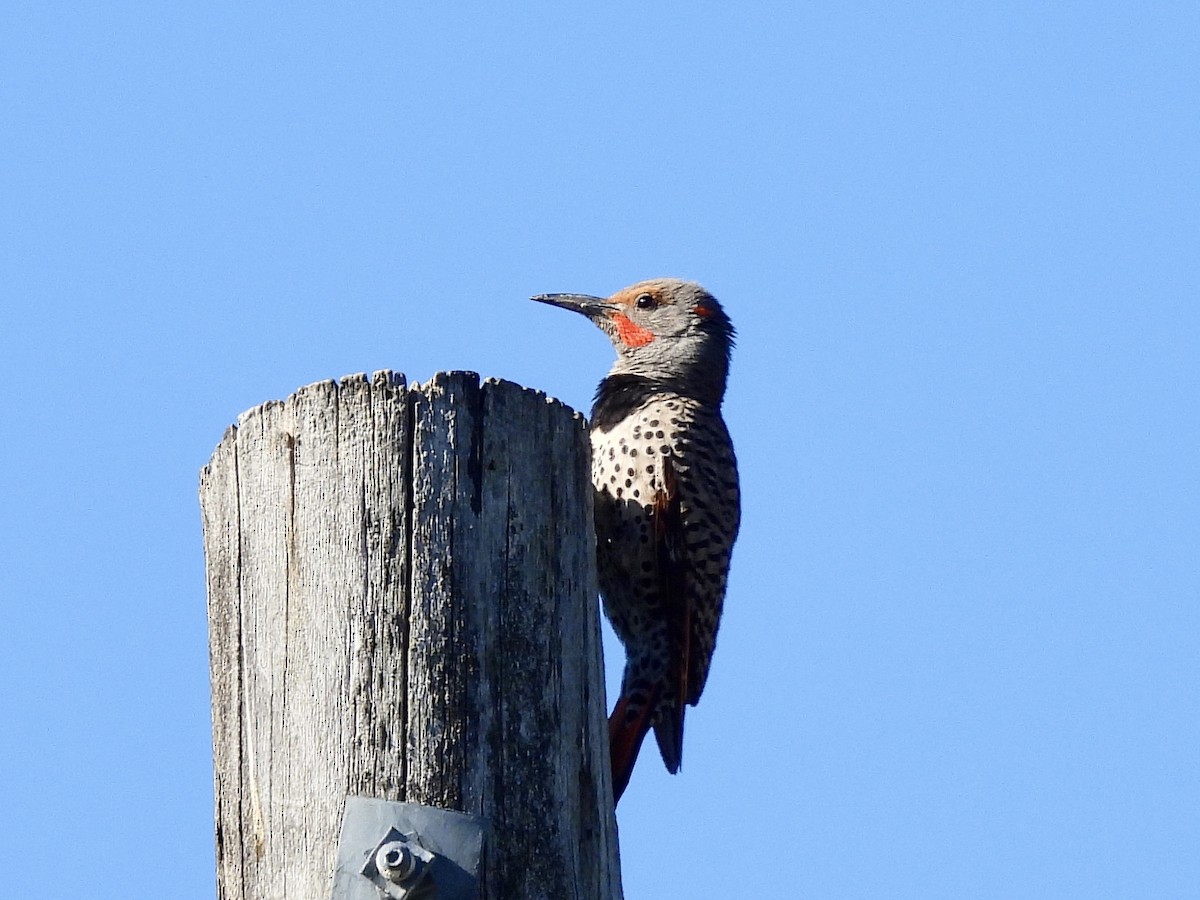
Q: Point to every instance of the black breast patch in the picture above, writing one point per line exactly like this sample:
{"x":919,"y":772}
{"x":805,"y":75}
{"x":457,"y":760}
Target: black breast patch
{"x":618,"y":396}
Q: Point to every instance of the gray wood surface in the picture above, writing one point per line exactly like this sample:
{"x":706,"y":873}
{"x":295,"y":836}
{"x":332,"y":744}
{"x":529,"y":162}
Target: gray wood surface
{"x":402,"y":604}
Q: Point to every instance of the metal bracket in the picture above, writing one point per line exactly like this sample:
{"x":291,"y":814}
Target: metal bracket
{"x":404,"y":851}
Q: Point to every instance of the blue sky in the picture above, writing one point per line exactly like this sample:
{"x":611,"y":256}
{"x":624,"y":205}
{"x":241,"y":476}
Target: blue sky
{"x":960,"y":243}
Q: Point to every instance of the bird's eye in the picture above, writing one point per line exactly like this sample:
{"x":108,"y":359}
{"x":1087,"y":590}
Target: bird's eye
{"x":645,"y":301}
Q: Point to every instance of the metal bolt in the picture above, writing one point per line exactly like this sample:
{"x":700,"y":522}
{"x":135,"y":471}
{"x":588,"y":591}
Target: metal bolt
{"x":397,"y":863}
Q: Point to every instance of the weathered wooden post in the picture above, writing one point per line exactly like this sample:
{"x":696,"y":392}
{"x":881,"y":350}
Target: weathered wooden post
{"x":402,"y":605}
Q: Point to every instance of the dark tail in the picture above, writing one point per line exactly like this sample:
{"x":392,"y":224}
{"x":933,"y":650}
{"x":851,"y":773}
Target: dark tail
{"x":669,"y":735}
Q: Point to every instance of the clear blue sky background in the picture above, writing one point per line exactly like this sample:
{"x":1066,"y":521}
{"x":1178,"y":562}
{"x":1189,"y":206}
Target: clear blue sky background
{"x":962,"y":247}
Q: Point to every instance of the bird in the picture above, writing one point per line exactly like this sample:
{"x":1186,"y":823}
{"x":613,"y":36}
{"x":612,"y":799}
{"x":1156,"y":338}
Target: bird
{"x":667,"y":501}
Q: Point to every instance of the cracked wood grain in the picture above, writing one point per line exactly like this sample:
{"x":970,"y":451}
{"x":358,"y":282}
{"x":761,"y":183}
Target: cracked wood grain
{"x":402,"y":604}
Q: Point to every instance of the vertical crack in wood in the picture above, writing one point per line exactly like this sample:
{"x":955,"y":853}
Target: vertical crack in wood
{"x":475,"y":453}
{"x":249,"y":738}
{"x":370,"y":630}
{"x":290,"y":585}
{"x":404,"y":612}
{"x":449,"y":793}
{"x":240,"y":683}
{"x":410,"y":492}
{"x":358,"y":644}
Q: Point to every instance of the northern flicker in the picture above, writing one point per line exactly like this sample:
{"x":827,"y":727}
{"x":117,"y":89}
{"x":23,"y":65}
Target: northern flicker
{"x":667,"y":501}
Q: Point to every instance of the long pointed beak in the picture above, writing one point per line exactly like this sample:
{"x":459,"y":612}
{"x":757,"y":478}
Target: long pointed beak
{"x":581,"y":303}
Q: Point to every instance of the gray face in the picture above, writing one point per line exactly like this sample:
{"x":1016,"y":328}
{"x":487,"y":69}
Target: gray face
{"x":665,"y":329}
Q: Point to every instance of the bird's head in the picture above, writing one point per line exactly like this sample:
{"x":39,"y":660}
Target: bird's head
{"x":664,"y":329}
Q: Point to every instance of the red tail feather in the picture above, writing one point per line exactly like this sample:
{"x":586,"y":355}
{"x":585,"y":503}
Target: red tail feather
{"x":625,"y":740}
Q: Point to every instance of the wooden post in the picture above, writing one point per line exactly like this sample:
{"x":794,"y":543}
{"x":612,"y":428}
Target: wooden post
{"x":402,"y":604}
